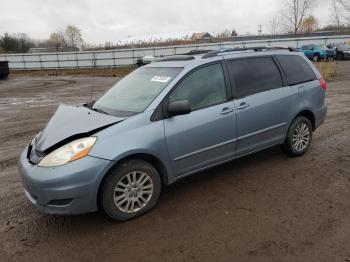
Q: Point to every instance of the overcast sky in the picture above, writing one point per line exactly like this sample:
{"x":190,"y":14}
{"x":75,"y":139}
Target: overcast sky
{"x":103,"y":20}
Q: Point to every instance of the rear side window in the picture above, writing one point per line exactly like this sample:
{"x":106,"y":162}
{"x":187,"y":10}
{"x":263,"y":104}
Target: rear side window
{"x":254,"y":75}
{"x":296,"y":68}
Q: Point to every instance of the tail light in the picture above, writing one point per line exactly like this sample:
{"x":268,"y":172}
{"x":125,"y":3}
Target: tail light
{"x":323,"y":84}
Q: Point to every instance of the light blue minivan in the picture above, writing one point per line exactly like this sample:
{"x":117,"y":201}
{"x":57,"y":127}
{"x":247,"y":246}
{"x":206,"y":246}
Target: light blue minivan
{"x":167,"y":120}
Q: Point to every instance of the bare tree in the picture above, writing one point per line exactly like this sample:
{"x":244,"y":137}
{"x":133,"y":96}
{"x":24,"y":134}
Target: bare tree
{"x":336,"y":14}
{"x":309,"y":24}
{"x":224,"y":33}
{"x":56,"y":40}
{"x":345,"y":4}
{"x":294,"y":14}
{"x":274,"y":25}
{"x":73,"y":36}
{"x":344,"y":13}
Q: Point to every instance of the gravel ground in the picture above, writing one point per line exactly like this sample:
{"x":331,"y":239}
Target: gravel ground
{"x":264,"y":207}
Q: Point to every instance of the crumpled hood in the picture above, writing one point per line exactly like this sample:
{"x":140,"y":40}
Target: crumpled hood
{"x":72,"y":122}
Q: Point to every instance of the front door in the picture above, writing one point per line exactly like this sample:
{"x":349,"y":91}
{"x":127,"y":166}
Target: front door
{"x":206,"y":136}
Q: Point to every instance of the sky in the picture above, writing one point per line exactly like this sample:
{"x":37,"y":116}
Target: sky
{"x":113,"y":20}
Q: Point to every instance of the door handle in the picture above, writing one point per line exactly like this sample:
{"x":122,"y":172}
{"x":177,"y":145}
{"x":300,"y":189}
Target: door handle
{"x":242,"y":105}
{"x":226,"y":110}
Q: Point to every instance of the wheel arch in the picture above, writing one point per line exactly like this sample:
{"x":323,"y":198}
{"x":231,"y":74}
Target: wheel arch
{"x":153,"y":160}
{"x":309,"y":115}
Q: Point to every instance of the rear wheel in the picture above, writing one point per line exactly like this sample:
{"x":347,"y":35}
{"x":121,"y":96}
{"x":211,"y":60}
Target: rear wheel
{"x":299,"y":137}
{"x":130,"y":190}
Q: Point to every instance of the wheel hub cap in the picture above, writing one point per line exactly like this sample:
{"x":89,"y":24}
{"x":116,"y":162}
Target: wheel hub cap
{"x":133,"y":192}
{"x":301,"y":137}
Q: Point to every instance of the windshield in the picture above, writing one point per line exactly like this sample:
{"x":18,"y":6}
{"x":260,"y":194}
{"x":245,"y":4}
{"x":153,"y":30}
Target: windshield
{"x":136,"y":91}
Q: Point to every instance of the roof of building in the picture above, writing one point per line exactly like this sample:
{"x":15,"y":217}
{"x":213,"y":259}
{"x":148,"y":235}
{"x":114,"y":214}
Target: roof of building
{"x":199,"y":36}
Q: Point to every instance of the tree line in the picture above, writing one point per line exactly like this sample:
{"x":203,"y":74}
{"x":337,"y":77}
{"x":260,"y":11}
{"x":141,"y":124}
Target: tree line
{"x":69,"y":38}
{"x":295,"y":17}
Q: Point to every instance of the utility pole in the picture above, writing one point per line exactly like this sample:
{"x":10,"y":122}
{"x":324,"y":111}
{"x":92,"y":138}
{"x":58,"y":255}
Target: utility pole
{"x":260,"y":30}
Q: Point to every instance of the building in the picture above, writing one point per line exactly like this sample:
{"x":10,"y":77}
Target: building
{"x":201,"y":37}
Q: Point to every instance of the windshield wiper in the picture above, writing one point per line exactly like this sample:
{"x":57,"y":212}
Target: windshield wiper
{"x":99,"y":110}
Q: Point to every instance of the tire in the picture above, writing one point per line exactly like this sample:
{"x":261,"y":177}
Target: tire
{"x":291,"y":147}
{"x":340,"y":56}
{"x":315,"y":58}
{"x":117,"y":189}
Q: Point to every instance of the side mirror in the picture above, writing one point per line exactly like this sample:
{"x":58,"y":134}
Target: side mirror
{"x":177,"y":108}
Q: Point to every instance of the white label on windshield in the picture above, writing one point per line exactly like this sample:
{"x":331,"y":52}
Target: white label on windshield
{"x":162,"y":79}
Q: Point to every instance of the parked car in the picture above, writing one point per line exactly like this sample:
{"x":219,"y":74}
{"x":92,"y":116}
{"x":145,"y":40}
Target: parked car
{"x":4,"y":69}
{"x":145,"y":60}
{"x":168,"y":120}
{"x":342,"y":51}
{"x":317,"y":52}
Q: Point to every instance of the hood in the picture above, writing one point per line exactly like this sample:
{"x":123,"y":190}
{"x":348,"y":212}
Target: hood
{"x":72,"y":122}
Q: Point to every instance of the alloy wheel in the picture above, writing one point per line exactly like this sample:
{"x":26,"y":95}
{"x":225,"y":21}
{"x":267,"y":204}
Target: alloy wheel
{"x":133,"y":191}
{"x":301,"y":137}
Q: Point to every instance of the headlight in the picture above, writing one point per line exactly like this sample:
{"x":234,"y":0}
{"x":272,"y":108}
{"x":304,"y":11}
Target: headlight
{"x":69,"y":152}
{"x":35,"y":138}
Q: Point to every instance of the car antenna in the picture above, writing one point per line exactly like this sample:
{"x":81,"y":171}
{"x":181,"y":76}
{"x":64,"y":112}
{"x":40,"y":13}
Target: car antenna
{"x":93,"y":75}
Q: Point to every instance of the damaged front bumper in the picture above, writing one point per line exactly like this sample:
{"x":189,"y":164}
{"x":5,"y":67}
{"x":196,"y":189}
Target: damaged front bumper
{"x":68,"y":189}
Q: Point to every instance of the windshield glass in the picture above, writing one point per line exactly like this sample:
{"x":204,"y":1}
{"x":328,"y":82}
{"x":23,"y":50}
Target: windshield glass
{"x":136,"y":91}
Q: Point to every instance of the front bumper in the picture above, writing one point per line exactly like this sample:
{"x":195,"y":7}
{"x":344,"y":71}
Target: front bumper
{"x":68,"y":189}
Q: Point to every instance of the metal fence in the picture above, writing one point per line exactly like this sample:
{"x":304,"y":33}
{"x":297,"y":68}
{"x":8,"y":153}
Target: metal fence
{"x":123,"y":57}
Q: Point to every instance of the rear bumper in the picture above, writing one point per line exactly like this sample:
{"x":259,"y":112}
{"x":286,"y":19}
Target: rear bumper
{"x":320,"y":116}
{"x":69,"y":189}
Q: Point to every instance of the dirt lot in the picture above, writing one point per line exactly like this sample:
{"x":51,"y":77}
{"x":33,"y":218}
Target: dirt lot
{"x":265,"y":207}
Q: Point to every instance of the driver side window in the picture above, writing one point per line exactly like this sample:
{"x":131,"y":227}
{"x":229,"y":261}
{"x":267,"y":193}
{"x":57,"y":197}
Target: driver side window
{"x":203,"y":88}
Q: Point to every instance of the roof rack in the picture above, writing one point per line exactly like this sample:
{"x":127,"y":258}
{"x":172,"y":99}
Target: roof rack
{"x":177,"y":58}
{"x":198,"y":52}
{"x":254,"y":49}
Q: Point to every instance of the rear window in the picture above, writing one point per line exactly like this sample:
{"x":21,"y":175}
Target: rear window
{"x":254,"y":75}
{"x":296,"y":68}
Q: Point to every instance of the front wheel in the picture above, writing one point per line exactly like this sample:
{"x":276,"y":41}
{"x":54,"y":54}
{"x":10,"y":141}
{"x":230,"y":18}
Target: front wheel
{"x":130,"y":190}
{"x":299,"y":137}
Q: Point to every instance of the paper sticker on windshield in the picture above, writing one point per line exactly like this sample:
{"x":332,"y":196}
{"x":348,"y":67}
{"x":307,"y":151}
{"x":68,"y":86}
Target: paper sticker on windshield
{"x":162,"y":79}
